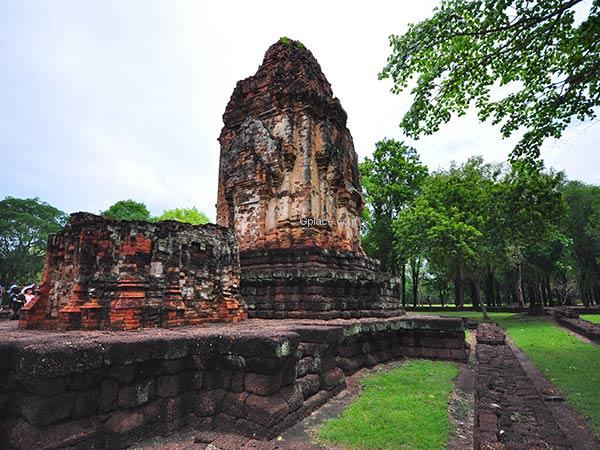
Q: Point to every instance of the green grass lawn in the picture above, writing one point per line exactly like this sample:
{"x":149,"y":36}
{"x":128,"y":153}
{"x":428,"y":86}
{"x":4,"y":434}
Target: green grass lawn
{"x":570,"y":364}
{"x":594,"y":318}
{"x":405,"y":408}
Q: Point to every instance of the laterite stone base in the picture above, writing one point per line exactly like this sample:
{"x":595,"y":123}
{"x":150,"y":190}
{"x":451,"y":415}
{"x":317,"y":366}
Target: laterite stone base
{"x":314,"y":283}
{"x":106,"y":390}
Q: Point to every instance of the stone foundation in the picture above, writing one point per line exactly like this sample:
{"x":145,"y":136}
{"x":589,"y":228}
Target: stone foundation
{"x":582,"y":327}
{"x":106,"y":390}
{"x":314,"y":283}
{"x":122,"y":275}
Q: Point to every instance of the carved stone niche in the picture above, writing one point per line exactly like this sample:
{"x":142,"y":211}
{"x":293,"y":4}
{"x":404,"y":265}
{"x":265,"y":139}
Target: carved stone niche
{"x":289,"y":187}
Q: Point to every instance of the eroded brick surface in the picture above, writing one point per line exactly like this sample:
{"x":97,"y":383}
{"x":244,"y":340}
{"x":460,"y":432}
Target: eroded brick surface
{"x":106,"y":274}
{"x":286,"y":154}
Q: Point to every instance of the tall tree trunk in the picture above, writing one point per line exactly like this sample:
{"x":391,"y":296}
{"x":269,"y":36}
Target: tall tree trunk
{"x":442,"y":297}
{"x":475,"y":291}
{"x":549,"y":291}
{"x":518,"y":285}
{"x":543,"y":293}
{"x":459,"y":288}
{"x":415,"y":265}
{"x":489,"y":286}
{"x":403,"y":278}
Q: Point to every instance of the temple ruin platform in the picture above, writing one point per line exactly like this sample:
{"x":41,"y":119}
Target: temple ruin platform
{"x":108,"y":389}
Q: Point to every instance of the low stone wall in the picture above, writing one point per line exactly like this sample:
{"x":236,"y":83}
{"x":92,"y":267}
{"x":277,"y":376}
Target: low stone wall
{"x":106,"y":390}
{"x":583,"y":327}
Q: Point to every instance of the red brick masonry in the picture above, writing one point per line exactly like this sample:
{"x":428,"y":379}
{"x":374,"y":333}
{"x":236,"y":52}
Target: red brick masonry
{"x":104,"y":390}
{"x":123,"y":275}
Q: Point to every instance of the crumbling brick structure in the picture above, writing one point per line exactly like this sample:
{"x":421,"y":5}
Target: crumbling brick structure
{"x":289,"y":187}
{"x":121,"y":275}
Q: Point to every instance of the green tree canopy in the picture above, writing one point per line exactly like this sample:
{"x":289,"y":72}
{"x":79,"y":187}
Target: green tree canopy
{"x":187,"y":215}
{"x":127,"y":210}
{"x":546,"y":65}
{"x":391,"y":179}
{"x":24,"y":228}
{"x":582,"y":226}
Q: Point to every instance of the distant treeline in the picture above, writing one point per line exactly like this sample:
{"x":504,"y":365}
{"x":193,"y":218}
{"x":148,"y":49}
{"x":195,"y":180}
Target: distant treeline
{"x":508,"y":233}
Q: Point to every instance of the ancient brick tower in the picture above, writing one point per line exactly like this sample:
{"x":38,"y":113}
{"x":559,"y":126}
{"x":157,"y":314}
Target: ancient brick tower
{"x":290,"y":189}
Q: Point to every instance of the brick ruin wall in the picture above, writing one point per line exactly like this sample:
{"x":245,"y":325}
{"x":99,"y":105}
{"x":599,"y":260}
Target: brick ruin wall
{"x":107,"y":390}
{"x":106,"y":274}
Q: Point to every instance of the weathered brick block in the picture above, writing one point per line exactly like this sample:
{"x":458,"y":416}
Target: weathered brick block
{"x":136,"y":394}
{"x":265,"y":411}
{"x":262,"y":384}
{"x":172,"y":385}
{"x":45,"y":410}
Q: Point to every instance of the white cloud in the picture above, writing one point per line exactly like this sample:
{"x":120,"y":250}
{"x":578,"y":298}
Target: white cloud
{"x":102,"y":101}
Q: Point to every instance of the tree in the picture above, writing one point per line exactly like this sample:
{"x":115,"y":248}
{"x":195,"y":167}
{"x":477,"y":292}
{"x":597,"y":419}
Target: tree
{"x":532,"y":207}
{"x":24,"y":228}
{"x":444,"y":224}
{"x":127,"y":210}
{"x":581,"y":226}
{"x":391,"y":180}
{"x":187,"y":215}
{"x":548,"y":65}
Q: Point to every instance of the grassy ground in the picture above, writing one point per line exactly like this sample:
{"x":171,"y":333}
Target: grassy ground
{"x":405,"y":408}
{"x":570,"y":364}
{"x":594,"y":318}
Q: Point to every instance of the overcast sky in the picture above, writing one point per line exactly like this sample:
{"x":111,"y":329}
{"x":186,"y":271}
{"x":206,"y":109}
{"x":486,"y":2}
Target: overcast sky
{"x":107,"y":100}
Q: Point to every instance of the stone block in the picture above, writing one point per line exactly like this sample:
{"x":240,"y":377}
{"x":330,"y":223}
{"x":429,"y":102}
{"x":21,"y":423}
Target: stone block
{"x":262,"y":384}
{"x":216,"y":379}
{"x":85,"y":403}
{"x":265,"y":411}
{"x":45,"y":410}
{"x":109,"y":391}
{"x":293,"y":396}
{"x":123,"y":427}
{"x":177,"y":407}
{"x":207,"y":403}
{"x":45,"y":386}
{"x":233,"y":403}
{"x":172,"y":385}
{"x":136,"y":394}
{"x":81,"y":434}
{"x":88,"y":379}
{"x":332,"y":379}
